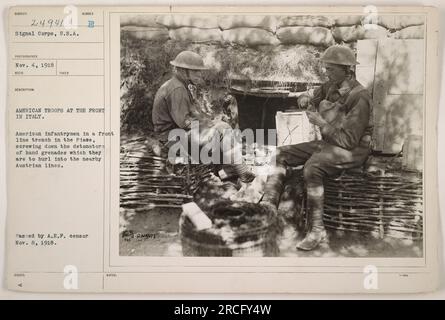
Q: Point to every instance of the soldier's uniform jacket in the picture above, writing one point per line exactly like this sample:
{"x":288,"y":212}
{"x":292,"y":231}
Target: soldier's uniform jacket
{"x":352,"y":124}
{"x":172,"y":107}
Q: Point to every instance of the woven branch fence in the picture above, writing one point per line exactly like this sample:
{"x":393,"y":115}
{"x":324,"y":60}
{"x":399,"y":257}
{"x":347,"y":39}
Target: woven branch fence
{"x":148,"y":180}
{"x":384,"y":205}
{"x":388,"y":205}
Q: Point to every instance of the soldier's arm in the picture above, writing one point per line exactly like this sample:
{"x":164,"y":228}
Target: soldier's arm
{"x":317,"y":97}
{"x":179,"y":108}
{"x":348,"y":135}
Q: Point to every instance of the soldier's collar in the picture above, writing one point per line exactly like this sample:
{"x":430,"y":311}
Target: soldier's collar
{"x":345,"y":87}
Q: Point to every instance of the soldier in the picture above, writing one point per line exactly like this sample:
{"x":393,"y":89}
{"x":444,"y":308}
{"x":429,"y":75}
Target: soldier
{"x":342,"y":108}
{"x":174,"y":108}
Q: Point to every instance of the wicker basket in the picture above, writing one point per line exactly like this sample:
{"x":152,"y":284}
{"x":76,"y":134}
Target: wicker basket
{"x":257,"y":241}
{"x":380,"y":204}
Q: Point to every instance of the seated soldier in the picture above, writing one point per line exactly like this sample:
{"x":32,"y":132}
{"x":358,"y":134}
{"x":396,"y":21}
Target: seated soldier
{"x":174,"y":107}
{"x":342,"y":108}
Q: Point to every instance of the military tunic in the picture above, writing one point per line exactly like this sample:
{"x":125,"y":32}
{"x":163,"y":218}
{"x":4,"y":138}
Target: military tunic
{"x":346,"y":140}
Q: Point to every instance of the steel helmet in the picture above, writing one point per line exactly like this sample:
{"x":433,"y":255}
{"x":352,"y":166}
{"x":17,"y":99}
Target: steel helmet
{"x":338,"y":54}
{"x":189,"y":60}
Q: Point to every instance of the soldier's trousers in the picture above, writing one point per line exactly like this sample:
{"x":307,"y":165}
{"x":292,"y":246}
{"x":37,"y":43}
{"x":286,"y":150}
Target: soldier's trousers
{"x":320,"y":159}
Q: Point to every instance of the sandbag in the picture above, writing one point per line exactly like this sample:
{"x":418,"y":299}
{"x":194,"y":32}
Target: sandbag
{"x":145,"y":20}
{"x":348,"y":34}
{"x":145,"y":33}
{"x":389,"y":22}
{"x":351,"y":20}
{"x":414,"y":32}
{"x":196,"y":21}
{"x":195,"y":34}
{"x":376,"y":32}
{"x":354,"y":33}
{"x":268,"y":23}
{"x":317,"y":36}
{"x":408,"y":21}
{"x":395,"y":22}
{"x":305,"y":21}
{"x":351,"y":45}
{"x":250,"y":37}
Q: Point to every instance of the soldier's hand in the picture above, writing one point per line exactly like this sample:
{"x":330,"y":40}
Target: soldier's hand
{"x":311,"y":107}
{"x":303,"y":101}
{"x":316,"y":118}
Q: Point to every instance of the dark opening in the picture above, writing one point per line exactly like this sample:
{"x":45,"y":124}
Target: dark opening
{"x":257,"y":106}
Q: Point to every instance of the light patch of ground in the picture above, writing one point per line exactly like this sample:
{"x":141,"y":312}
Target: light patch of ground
{"x":155,"y":233}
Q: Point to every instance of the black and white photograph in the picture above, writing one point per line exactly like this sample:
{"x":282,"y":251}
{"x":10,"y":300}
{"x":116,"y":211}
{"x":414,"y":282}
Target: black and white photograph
{"x":272,"y":135}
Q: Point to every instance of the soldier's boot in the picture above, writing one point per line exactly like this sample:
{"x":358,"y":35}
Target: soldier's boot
{"x":317,"y":233}
{"x":273,"y":189}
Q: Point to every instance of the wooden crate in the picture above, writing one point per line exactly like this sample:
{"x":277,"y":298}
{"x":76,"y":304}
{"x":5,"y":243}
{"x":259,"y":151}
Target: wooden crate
{"x":294,"y":127}
{"x":392,"y":70}
{"x":413,"y":153}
